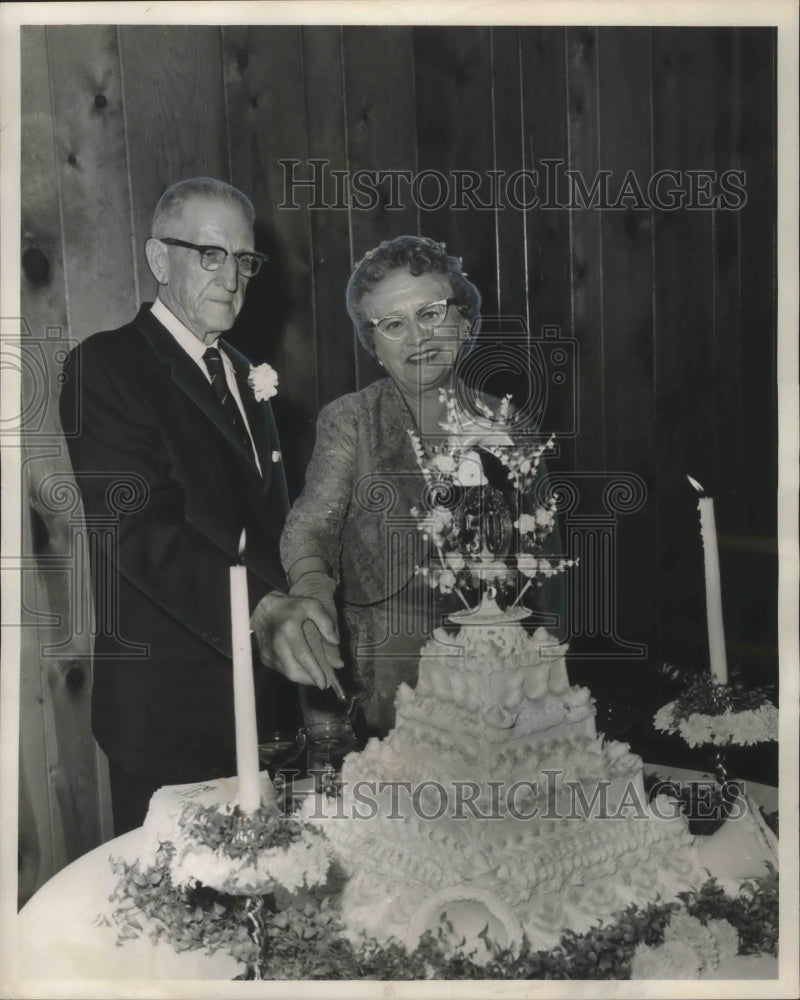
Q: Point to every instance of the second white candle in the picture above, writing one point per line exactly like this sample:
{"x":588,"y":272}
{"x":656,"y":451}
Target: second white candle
{"x":244,"y":698}
{"x":716,"y":630}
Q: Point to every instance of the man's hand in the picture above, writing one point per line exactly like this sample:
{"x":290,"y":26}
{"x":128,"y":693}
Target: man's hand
{"x":281,"y":625}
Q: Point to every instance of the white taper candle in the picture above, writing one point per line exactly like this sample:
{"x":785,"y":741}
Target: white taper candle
{"x":244,"y":698}
{"x":714,"y":621}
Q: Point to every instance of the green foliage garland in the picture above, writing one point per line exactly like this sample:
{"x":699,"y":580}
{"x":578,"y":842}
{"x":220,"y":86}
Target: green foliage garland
{"x":754,"y":912}
{"x":305,"y":938}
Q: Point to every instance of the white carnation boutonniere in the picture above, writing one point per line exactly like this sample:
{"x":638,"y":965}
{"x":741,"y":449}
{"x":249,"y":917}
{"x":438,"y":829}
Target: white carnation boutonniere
{"x":263,"y":380}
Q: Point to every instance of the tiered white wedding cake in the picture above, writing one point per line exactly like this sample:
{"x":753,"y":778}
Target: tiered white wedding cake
{"x":494,"y":804}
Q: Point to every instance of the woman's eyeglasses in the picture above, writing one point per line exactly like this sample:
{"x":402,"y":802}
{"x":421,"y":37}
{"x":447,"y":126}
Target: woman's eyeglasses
{"x":213,"y":258}
{"x":428,"y":317}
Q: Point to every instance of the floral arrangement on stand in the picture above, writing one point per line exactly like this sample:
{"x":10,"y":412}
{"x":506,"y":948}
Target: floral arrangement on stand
{"x":709,"y":714}
{"x":216,"y":883}
{"x":239,"y":855}
{"x":719,"y":714}
{"x":469,"y":520}
{"x":711,"y":711}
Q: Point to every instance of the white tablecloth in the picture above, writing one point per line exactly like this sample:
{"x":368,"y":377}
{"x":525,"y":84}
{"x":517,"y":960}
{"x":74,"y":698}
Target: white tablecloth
{"x":59,"y":937}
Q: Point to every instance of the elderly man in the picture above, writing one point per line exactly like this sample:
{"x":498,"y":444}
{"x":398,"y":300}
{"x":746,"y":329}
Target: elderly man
{"x":177,"y":458}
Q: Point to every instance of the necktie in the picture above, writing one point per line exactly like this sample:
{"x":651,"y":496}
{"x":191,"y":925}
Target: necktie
{"x":219,"y":384}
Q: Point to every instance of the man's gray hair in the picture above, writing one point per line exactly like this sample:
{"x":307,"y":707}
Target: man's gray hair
{"x":171,"y":202}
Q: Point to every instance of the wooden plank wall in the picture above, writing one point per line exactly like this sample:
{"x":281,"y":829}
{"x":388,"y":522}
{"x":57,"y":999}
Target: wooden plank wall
{"x":672,"y":312}
{"x":62,"y":807}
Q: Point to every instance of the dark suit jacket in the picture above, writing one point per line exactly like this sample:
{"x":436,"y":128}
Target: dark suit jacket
{"x":167,"y":490}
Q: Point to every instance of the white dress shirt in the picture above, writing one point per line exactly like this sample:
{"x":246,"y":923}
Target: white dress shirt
{"x":195,"y":348}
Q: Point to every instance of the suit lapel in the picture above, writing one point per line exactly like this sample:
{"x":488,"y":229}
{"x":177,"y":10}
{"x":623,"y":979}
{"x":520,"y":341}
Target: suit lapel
{"x":255,"y":412}
{"x":191,"y":381}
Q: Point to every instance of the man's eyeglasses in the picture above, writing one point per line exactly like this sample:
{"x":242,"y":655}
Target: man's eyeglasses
{"x":212,"y":258}
{"x":428,"y":317}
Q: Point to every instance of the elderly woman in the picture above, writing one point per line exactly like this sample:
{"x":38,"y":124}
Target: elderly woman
{"x":350,"y":535}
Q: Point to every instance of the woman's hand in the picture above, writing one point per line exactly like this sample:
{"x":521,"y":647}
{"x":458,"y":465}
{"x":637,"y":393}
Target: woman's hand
{"x":282,"y":623}
{"x":317,"y":584}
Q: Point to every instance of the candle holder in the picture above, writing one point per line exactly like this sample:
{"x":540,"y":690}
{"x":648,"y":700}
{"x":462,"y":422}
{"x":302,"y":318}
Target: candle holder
{"x":719,"y":718}
{"x":254,"y":907}
{"x":247,"y":826}
{"x":721,"y":766}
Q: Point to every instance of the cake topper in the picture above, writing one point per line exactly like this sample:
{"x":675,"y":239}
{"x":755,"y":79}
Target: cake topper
{"x":479,"y":510}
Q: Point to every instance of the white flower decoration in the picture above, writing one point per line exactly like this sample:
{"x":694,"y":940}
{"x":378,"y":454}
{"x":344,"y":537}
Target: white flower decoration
{"x":470,"y":470}
{"x":263,"y":380}
{"x":441,"y":516}
{"x":691,"y":950}
{"x":545,"y":517}
{"x":754,"y":725}
{"x":443,"y":463}
{"x":455,"y":560}
{"x":670,"y":960}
